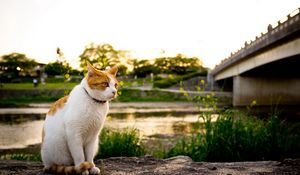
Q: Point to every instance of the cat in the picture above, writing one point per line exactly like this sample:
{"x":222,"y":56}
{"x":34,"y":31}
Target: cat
{"x":74,"y":122}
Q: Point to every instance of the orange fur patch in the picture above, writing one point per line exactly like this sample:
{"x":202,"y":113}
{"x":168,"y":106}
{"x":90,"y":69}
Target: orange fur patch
{"x":70,"y":170}
{"x":98,"y":79}
{"x":113,"y":71}
{"x":61,"y":169}
{"x":86,"y":166}
{"x":56,"y":105}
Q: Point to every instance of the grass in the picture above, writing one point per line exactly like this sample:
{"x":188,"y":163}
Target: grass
{"x":46,"y":96}
{"x":120,"y":143}
{"x":240,"y":139}
{"x":68,"y":85}
{"x":236,"y":136}
{"x":24,"y":93}
{"x":21,"y":101}
{"x":28,"y":86}
{"x":135,"y":82}
{"x":21,"y":156}
{"x":167,"y":82}
{"x":136,"y":95}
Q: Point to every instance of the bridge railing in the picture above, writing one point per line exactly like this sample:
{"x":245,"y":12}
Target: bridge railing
{"x":283,"y":28}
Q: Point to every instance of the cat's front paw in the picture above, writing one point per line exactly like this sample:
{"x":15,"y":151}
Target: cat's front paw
{"x":86,"y":172}
{"x":95,"y":170}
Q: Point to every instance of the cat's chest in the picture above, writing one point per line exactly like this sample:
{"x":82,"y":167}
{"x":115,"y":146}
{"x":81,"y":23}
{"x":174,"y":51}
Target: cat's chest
{"x":101,"y":110}
{"x":95,"y":111}
{"x":95,"y":118}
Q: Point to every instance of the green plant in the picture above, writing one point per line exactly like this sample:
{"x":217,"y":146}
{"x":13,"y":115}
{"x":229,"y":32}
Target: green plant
{"x":120,"y":143}
{"x":136,"y":95}
{"x":239,"y":138}
{"x":25,"y":100}
{"x":21,"y":156}
{"x":29,"y":86}
{"x":233,"y":136}
{"x":171,"y":80}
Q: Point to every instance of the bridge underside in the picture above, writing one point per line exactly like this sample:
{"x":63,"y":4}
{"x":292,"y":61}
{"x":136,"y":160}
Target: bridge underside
{"x":268,"y":56}
{"x":266,"y":91}
{"x":273,"y":84}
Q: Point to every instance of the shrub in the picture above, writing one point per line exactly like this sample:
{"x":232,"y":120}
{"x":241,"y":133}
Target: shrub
{"x":231,"y":139}
{"x":136,"y":95}
{"x":167,"y":82}
{"x":237,"y":137}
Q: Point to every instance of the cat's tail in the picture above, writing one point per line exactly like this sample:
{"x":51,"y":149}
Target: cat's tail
{"x":61,"y":169}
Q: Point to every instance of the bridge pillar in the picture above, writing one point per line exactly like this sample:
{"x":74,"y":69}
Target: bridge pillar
{"x":210,"y":81}
{"x":266,"y":91}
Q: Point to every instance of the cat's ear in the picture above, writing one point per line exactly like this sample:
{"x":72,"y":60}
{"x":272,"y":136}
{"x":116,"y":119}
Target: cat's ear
{"x":91,"y":70}
{"x":113,"y":71}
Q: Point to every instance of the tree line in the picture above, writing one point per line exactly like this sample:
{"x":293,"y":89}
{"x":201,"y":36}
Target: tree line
{"x":18,"y":65}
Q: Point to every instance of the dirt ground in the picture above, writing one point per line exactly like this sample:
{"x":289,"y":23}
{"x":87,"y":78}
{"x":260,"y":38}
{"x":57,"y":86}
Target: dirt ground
{"x":180,"y":165}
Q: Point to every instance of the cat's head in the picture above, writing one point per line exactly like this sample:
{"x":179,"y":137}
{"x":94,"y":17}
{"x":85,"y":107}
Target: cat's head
{"x":103,"y":85}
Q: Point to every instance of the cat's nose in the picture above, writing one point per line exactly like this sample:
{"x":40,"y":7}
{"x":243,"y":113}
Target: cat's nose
{"x":114,"y":92}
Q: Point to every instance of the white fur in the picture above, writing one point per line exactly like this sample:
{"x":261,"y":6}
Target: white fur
{"x":71,"y":134}
{"x":95,"y":170}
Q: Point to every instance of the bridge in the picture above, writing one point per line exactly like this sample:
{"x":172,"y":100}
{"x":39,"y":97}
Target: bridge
{"x":266,"y":70}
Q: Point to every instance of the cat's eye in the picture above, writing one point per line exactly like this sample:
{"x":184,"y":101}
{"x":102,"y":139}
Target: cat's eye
{"x":105,"y":84}
{"x":116,"y":85}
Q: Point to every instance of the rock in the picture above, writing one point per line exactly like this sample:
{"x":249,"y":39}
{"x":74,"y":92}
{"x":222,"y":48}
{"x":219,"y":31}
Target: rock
{"x":180,"y":165}
{"x":212,"y":167}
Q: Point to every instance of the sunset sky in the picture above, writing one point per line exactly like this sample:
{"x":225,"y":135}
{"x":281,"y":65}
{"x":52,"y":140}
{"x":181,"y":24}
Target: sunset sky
{"x":208,"y":29}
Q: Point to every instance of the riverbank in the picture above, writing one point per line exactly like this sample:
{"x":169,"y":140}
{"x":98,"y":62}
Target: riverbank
{"x":115,"y":107}
{"x":24,"y":97}
{"x":172,"y":166}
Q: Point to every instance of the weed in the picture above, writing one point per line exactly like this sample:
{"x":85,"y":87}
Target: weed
{"x":21,"y":156}
{"x":237,"y":137}
{"x":120,"y":143}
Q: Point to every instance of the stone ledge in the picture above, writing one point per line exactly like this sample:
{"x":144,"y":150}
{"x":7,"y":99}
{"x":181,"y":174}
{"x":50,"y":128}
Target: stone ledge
{"x":180,"y":165}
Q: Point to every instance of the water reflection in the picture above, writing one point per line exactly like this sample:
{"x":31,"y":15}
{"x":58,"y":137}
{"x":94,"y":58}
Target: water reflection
{"x":20,"y":135}
{"x":149,"y":125}
{"x":22,"y":130}
{"x":14,"y":119}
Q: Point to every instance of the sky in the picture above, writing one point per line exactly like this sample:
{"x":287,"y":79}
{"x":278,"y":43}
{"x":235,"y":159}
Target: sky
{"x":207,"y":29}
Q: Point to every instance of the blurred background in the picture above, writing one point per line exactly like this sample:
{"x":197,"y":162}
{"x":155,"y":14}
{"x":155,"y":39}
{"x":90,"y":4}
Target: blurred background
{"x":196,"y":76}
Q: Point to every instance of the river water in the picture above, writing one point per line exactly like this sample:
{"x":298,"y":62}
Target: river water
{"x":20,"y":128}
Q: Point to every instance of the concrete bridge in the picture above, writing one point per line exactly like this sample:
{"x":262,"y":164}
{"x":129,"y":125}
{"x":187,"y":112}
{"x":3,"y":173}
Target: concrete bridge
{"x":266,"y":70}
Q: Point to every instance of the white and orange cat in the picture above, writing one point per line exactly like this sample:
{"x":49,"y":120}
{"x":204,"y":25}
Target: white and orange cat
{"x":73,"y":124}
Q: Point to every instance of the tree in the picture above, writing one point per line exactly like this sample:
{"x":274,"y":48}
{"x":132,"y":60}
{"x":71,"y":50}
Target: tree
{"x":163,"y":64}
{"x":122,"y":70}
{"x":60,"y":66}
{"x":57,"y":68}
{"x":101,"y":56}
{"x":142,"y":68}
{"x":183,"y":65}
{"x":16,"y":64}
{"x":179,"y":64}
